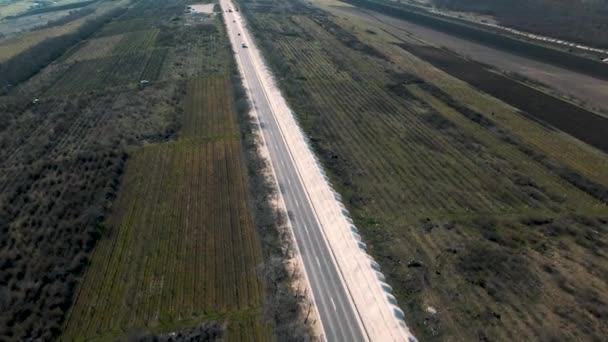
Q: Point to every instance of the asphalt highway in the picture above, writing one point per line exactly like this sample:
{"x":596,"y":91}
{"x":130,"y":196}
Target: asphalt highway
{"x":338,"y":314}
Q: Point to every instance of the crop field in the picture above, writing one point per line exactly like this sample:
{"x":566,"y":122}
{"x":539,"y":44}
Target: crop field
{"x":65,"y":5}
{"x":11,"y":8}
{"x":100,"y":73}
{"x":15,"y":45}
{"x":590,"y":67}
{"x":583,"y":89}
{"x":61,"y":163}
{"x":582,"y":124}
{"x":95,"y":48}
{"x":122,"y":60}
{"x":115,"y":221}
{"x":124,"y":26}
{"x":180,"y":248}
{"x":467,"y":204}
{"x":204,"y":59}
{"x":111,"y":61}
{"x":23,"y":24}
{"x":136,"y":41}
{"x":181,"y":245}
{"x":206,"y":121}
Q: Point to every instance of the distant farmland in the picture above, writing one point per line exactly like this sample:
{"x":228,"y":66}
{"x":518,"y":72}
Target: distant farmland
{"x":463,"y":200}
{"x":180,"y":247}
{"x":125,"y":205}
{"x":469,"y":31}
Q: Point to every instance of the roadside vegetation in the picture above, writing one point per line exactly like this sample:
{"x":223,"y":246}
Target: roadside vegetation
{"x":495,"y":221}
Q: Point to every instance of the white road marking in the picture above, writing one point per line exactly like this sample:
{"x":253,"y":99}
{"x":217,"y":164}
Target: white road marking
{"x":318,"y":262}
{"x":334,"y":304}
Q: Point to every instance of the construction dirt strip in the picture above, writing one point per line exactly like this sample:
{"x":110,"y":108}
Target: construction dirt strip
{"x":347,"y":287}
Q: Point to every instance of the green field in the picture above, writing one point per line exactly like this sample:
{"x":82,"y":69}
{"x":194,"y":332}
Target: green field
{"x":131,"y":208}
{"x":125,"y":26}
{"x":100,"y":73}
{"x":180,"y":246}
{"x":17,"y":44}
{"x":462,"y":200}
{"x":136,"y":41}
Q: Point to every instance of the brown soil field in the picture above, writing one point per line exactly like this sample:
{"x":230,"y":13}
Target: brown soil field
{"x":582,"y":124}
